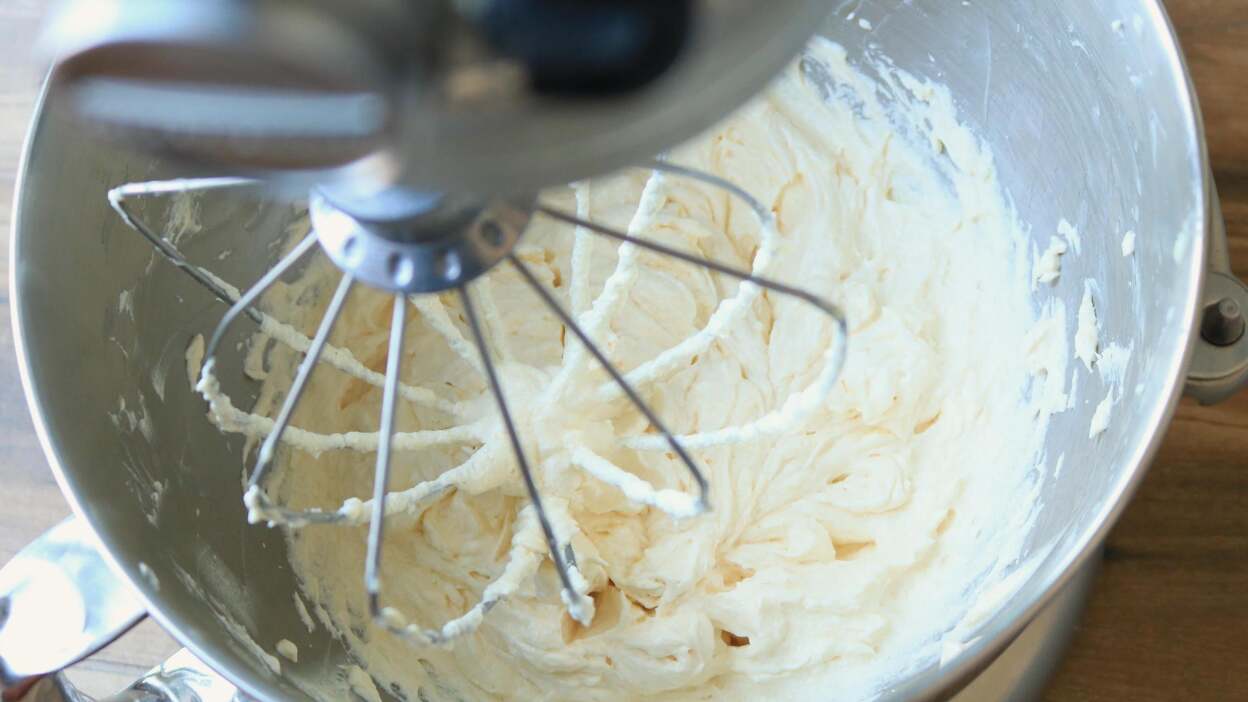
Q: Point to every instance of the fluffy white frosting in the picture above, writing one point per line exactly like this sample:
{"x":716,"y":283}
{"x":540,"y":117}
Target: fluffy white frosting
{"x":1087,"y":333}
{"x":1049,"y":267}
{"x":854,"y":517}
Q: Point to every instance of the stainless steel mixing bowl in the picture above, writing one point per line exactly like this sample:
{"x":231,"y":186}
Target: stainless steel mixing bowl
{"x":1090,"y":114}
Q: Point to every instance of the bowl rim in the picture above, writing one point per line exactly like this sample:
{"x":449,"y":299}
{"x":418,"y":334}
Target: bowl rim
{"x":928,"y":684}
{"x":1010,"y":620}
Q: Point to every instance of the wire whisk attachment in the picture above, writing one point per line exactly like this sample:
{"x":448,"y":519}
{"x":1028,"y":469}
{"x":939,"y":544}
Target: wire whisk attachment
{"x":412,"y":266}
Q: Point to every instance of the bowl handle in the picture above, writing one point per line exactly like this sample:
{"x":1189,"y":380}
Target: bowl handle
{"x":1219,"y":366}
{"x":60,"y":601}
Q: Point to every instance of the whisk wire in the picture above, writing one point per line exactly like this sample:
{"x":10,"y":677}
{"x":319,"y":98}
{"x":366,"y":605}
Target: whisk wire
{"x":260,"y":508}
{"x":259,"y":500}
{"x":243,"y":304}
{"x":724,"y":184}
{"x":703,"y":503}
{"x":381,"y":474}
{"x":825,"y":306}
{"x":571,"y":597}
{"x":797,"y":406}
{"x":119,"y":199}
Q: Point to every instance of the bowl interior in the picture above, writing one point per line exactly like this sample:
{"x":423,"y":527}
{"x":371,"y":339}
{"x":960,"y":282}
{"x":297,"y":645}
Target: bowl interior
{"x":1085,"y":106}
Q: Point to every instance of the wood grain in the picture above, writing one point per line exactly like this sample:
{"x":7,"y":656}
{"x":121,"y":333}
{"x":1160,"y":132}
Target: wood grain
{"x":1169,"y":615}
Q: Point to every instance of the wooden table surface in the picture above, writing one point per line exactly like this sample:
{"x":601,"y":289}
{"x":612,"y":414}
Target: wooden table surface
{"x":1169,"y":615}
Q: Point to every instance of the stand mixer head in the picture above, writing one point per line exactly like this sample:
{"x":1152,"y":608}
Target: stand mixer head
{"x":422,"y":133}
{"x":481,"y":96}
{"x":412,"y":120}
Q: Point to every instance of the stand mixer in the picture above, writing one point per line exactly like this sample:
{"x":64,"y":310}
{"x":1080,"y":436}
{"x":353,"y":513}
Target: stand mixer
{"x":422,"y":133}
{"x":373,"y":169}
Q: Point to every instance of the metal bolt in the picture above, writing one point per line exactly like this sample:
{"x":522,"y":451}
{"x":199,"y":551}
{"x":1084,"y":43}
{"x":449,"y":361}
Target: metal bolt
{"x":352,"y":252}
{"x":492,"y":234}
{"x":1223,"y":323}
{"x":400,"y":268}
{"x":449,"y":266}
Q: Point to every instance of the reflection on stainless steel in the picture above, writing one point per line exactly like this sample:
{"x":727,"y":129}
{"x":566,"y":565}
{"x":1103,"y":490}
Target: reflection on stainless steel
{"x":59,"y":601}
{"x":181,"y":678}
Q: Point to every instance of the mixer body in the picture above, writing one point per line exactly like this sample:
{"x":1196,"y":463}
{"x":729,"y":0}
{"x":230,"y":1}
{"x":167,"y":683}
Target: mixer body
{"x":491,"y":96}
